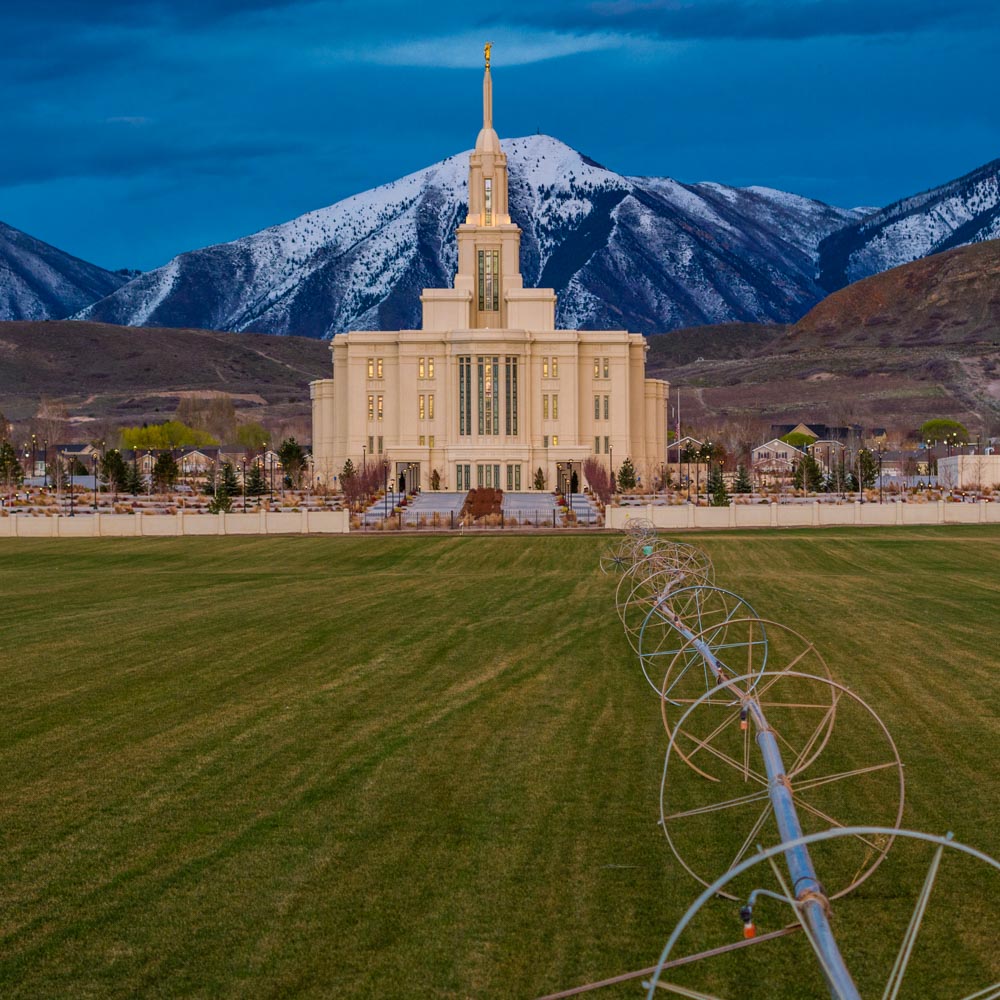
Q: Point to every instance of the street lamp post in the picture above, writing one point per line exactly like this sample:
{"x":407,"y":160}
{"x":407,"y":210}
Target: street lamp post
{"x":72,"y":462}
{"x":385,"y":486}
{"x":881,"y":493}
{"x":244,"y":484}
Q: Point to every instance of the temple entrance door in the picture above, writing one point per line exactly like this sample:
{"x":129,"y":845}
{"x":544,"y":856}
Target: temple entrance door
{"x":407,"y":476}
{"x":565,"y":472}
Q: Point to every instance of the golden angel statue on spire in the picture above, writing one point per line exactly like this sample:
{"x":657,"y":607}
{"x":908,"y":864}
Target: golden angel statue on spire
{"x":486,"y":52}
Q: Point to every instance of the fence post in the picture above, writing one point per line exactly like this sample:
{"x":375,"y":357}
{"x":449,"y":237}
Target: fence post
{"x":553,"y":517}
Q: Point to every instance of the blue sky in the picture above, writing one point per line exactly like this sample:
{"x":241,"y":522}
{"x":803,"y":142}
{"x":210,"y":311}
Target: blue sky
{"x":132,"y":131}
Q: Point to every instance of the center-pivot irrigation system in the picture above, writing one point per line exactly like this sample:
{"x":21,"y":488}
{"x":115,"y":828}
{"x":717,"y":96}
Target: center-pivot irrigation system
{"x":765,"y":750}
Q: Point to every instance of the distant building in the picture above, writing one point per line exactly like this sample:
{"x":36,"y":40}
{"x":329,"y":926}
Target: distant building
{"x":851,"y":434}
{"x":969,"y":472}
{"x":775,"y":461}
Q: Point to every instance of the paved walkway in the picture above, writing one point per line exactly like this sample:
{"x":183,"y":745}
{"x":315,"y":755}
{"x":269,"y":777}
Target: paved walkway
{"x":539,"y":507}
{"x":427,"y":504}
{"x":430,"y":507}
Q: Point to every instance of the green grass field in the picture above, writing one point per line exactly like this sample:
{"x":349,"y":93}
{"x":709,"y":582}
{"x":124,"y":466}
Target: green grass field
{"x":424,"y":767}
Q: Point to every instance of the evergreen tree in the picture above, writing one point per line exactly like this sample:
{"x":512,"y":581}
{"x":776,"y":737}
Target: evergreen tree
{"x":11,"y":473}
{"x":293,"y":460}
{"x":808,"y":475}
{"x":114,"y":472}
{"x":539,"y":483}
{"x":867,"y":468}
{"x":574,"y":483}
{"x":165,"y":471}
{"x":133,"y":479}
{"x":626,"y":475}
{"x":837,"y":481}
{"x":256,"y":486}
{"x":221,"y":503}
{"x":743,"y":483}
{"x":435,"y":480}
{"x":228,"y":480}
{"x":715,"y":486}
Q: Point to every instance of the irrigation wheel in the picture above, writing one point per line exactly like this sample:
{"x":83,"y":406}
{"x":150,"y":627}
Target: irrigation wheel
{"x":676,"y":616}
{"x":928,"y":936}
{"x":841,"y":767}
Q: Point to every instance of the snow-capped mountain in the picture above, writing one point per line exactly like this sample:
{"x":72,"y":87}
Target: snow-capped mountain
{"x":38,"y":281}
{"x":966,"y":210}
{"x":641,"y":253}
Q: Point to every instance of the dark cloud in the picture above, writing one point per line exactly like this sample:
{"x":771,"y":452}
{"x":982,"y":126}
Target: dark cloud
{"x":133,"y":130}
{"x":129,"y":13}
{"x":115,"y":150}
{"x":686,"y":20}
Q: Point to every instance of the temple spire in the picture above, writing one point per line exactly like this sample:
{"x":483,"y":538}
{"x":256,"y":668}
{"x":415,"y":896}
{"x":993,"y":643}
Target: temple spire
{"x":487,"y":90}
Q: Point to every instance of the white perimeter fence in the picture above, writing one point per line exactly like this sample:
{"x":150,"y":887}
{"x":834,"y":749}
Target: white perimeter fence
{"x":337,"y":522}
{"x":804,"y":515}
{"x":302,"y":522}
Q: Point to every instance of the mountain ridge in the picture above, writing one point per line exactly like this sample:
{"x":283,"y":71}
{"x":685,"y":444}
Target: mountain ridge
{"x":961,"y":211}
{"x":918,"y":341}
{"x":643,"y":253}
{"x":40,"y":281}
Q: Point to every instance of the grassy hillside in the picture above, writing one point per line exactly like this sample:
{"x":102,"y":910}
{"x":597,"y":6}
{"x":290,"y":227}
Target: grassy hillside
{"x":135,"y":374}
{"x":423,"y":767}
{"x":918,"y":341}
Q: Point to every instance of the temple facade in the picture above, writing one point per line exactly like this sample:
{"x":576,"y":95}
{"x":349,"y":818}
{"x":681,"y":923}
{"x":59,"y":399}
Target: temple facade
{"x":488,"y":391}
